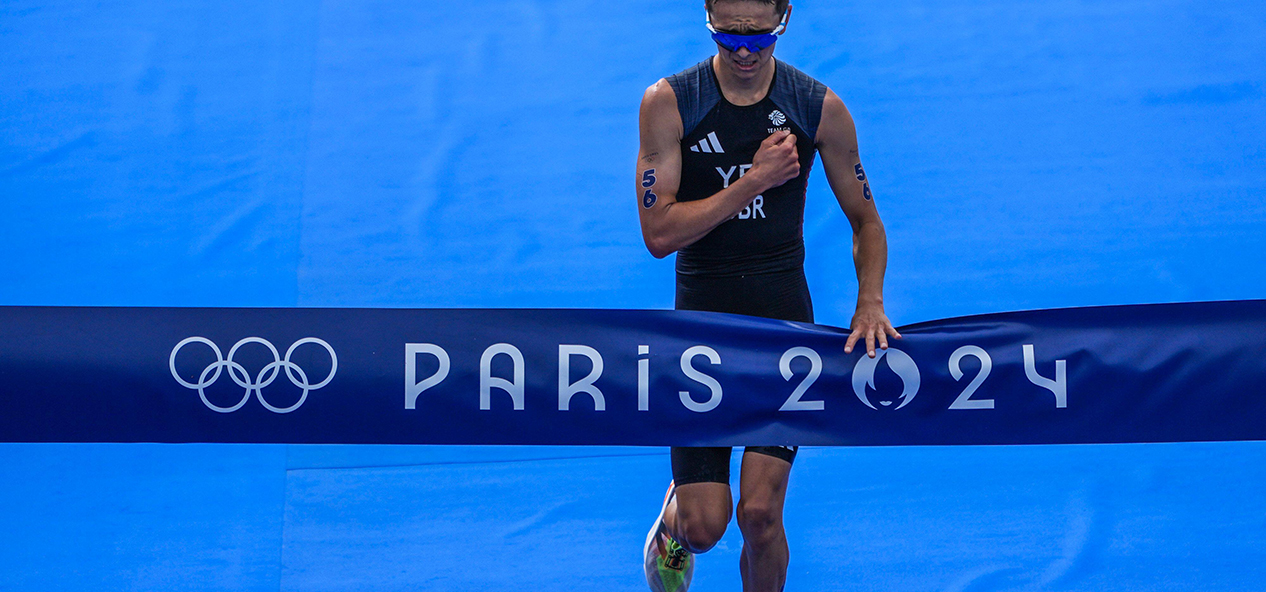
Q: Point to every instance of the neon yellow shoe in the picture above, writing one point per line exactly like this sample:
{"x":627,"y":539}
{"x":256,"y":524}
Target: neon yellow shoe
{"x":669,"y":566}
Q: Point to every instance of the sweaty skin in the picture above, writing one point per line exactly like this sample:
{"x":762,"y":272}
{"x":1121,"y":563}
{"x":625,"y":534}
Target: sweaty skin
{"x":669,"y":225}
{"x":699,"y":512}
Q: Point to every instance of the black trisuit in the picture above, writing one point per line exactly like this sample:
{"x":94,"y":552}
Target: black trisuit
{"x":753,"y":263}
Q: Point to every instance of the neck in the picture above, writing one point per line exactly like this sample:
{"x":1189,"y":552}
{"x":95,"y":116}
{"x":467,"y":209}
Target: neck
{"x":743,"y":91}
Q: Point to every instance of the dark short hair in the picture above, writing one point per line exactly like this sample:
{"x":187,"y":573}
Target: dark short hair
{"x":780,"y":6}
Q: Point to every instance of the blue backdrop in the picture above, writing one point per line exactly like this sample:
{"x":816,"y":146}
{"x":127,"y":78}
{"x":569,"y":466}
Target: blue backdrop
{"x":280,"y":153}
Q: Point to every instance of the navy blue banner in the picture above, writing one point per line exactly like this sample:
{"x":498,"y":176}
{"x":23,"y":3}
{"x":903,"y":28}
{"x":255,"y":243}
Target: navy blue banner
{"x":1153,"y":373}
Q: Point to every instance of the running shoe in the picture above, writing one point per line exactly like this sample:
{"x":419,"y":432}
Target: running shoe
{"x":669,"y":566}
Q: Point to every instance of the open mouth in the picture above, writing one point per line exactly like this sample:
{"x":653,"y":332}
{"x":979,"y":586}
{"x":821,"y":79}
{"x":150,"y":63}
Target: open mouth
{"x":745,"y":65}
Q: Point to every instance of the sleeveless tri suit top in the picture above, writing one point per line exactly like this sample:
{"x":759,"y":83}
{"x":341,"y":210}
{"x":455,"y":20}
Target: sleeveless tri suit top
{"x":753,"y":263}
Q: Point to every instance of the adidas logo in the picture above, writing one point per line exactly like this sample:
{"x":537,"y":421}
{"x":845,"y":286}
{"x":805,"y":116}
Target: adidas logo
{"x":709,"y":144}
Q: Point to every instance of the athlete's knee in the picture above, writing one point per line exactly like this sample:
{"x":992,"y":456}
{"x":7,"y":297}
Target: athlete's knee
{"x":760,"y":521}
{"x":699,"y":531}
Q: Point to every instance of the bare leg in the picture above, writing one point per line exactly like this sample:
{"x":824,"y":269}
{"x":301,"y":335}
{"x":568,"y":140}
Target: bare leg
{"x":762,"y":492}
{"x":698,"y":516}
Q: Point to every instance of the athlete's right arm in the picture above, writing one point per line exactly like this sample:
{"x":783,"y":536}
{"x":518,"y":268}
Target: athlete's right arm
{"x":667,"y":224}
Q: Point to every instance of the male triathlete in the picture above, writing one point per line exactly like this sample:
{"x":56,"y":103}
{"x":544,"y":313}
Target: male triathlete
{"x":726,"y":148}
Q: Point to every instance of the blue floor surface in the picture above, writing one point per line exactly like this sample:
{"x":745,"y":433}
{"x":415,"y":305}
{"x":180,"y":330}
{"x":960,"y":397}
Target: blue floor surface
{"x":1024,"y":154}
{"x":1138,"y":518}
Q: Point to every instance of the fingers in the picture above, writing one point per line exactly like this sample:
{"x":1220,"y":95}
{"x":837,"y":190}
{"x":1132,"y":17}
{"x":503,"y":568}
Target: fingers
{"x":852,"y":340}
{"x":874,"y":335}
{"x":876,"y":330}
{"x":776,"y":138}
{"x":780,"y":139}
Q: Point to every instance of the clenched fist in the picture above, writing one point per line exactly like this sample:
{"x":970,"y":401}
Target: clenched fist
{"x":777,"y":161}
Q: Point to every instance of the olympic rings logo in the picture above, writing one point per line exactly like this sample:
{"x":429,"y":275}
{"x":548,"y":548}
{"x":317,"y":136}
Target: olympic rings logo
{"x":239,"y":375}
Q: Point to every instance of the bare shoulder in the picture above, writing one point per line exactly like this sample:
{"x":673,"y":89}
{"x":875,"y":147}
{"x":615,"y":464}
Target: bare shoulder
{"x":660,"y":94}
{"x":837,"y":128}
{"x":660,"y":98}
{"x":659,"y":108}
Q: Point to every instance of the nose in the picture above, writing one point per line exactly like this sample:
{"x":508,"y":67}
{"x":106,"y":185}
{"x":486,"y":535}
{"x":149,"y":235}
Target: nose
{"x":742,"y":52}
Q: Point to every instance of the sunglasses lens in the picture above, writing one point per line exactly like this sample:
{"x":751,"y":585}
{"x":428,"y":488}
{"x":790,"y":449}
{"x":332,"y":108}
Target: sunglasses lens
{"x":753,"y":43}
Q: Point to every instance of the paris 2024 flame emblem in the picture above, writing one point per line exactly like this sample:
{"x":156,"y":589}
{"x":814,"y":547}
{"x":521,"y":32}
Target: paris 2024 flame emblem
{"x":900,"y":363}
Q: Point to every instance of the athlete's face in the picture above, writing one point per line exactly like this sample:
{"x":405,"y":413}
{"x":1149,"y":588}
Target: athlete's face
{"x":741,"y":17}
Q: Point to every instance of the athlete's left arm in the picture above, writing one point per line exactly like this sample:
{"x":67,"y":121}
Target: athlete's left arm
{"x":837,"y":145}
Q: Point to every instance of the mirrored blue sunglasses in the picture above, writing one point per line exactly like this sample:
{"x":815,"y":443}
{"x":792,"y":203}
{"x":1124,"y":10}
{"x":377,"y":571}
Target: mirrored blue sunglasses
{"x":753,"y":43}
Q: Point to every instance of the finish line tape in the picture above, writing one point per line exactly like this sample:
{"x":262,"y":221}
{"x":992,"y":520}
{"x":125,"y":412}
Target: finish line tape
{"x":1149,"y":373}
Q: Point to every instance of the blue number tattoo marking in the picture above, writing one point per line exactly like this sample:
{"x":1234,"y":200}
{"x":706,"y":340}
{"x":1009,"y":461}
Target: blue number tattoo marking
{"x":648,"y":179}
{"x":866,"y":192}
{"x":861,"y":174}
{"x":649,"y":198}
